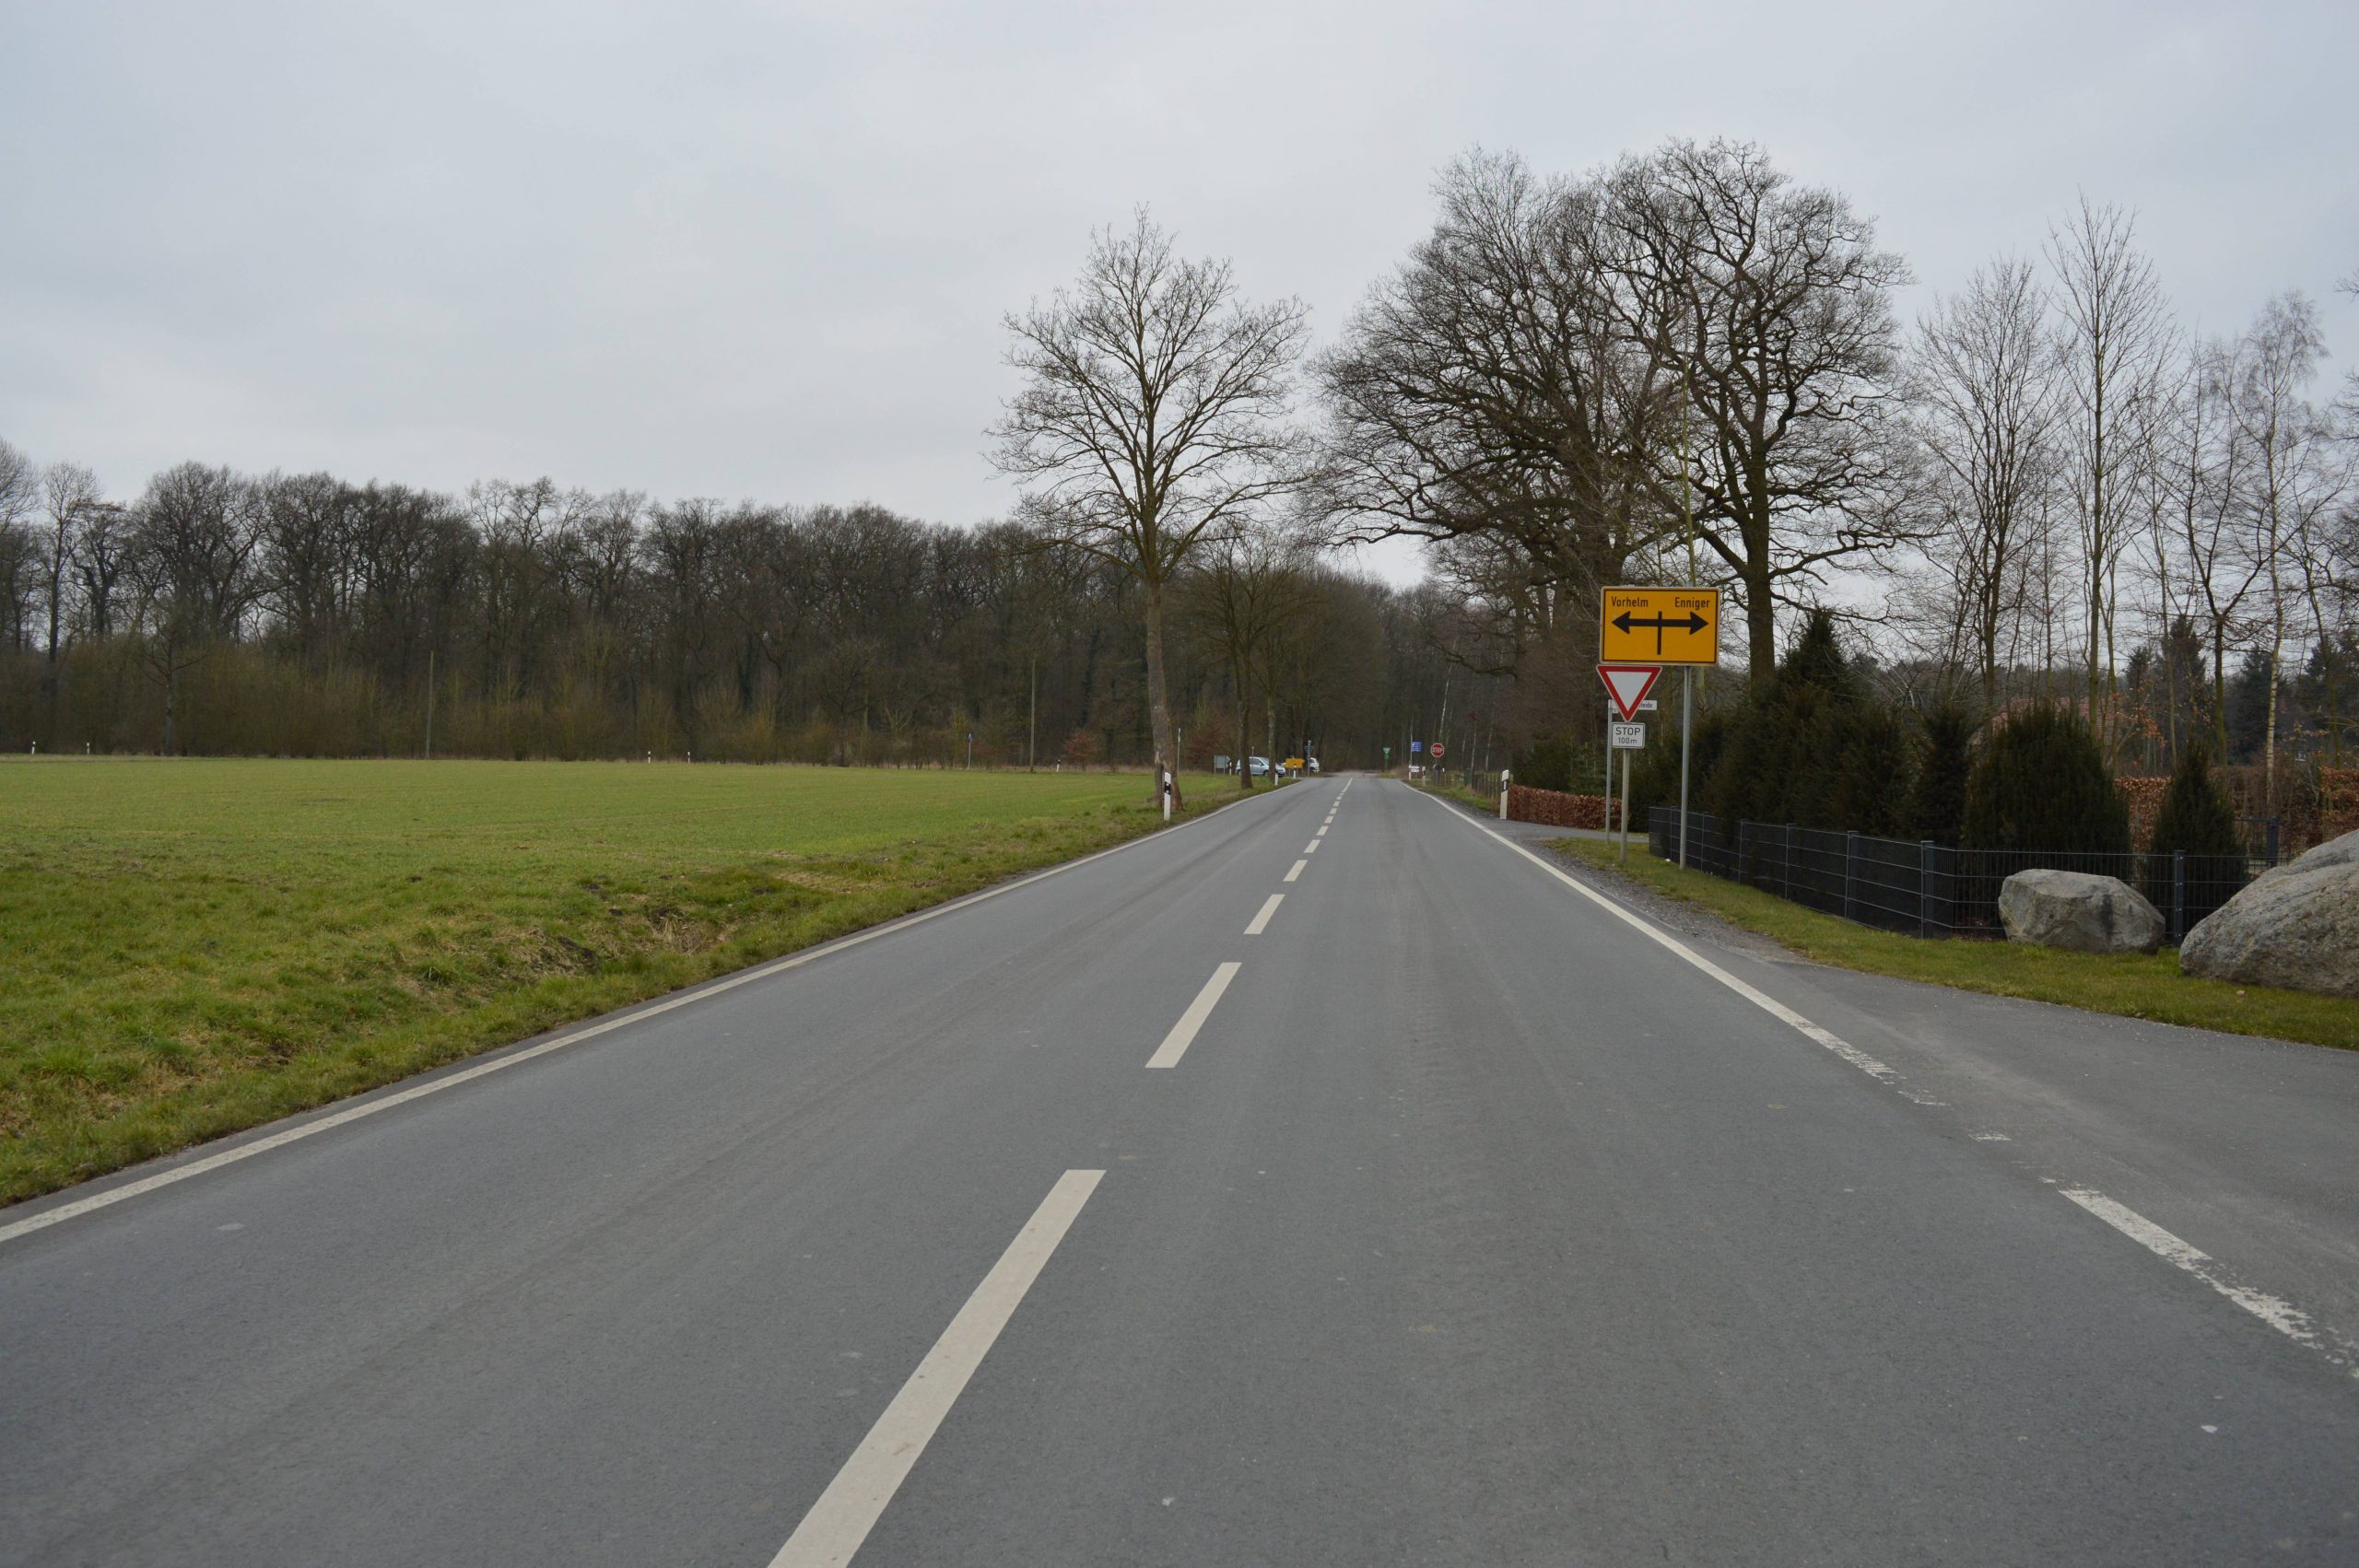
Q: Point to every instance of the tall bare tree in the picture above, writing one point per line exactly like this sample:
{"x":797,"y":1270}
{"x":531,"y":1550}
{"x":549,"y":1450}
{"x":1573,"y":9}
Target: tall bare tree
{"x":1771,"y":304}
{"x":2115,"y":347}
{"x":1155,"y":416}
{"x":69,"y":491}
{"x":1984,"y":397}
{"x":2292,"y":477}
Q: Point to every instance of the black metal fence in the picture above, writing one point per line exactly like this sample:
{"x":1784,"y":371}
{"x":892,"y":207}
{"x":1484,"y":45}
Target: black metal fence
{"x":1928,"y":889}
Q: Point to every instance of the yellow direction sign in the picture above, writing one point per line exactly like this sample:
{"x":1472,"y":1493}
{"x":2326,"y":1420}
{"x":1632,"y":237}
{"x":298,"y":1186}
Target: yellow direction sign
{"x":1659,"y":626}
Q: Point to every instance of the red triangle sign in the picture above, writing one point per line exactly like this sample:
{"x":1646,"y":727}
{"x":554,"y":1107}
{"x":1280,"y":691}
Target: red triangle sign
{"x":1629,"y":684}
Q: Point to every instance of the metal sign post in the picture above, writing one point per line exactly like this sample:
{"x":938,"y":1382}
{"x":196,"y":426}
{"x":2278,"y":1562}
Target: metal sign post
{"x":1664,"y":626}
{"x":1626,"y":738}
{"x":1686,"y":732}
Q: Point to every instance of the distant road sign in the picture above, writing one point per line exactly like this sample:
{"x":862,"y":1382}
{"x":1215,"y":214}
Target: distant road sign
{"x":1436,"y":748}
{"x":1628,"y":737}
{"x":1659,"y":626}
{"x":1649,"y":706}
{"x":1627,"y":685}
{"x":1417,"y":748}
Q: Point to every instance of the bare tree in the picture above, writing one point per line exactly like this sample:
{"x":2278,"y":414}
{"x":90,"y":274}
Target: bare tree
{"x":2116,"y":346}
{"x":69,"y":491}
{"x":1154,"y":417}
{"x":1985,"y":399}
{"x":2208,"y":456}
{"x":19,"y":486}
{"x":2291,"y":480}
{"x":1247,"y":587}
{"x":1771,"y":303}
{"x":193,"y":562}
{"x":1484,"y":398}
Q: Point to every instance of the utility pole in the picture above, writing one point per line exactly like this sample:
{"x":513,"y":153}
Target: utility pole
{"x":429,"y":705}
{"x":1032,"y":737}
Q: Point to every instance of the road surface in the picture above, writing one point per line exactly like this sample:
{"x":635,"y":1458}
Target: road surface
{"x":1326,"y":1181}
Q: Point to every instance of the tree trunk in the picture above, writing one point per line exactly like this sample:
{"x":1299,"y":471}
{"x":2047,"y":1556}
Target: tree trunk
{"x":1158,"y":699}
{"x":1760,"y":630}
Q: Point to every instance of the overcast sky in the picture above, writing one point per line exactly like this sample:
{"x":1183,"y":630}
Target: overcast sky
{"x":762,"y":249}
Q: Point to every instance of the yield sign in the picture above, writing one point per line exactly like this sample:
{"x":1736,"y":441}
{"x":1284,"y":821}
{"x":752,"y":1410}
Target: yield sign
{"x":1629,"y":684}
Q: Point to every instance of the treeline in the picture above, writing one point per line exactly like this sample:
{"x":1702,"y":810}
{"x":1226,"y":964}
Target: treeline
{"x":302,"y":615}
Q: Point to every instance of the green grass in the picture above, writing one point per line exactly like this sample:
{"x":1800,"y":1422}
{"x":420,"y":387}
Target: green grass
{"x":2132,"y":985}
{"x":194,"y":947}
{"x":1488,"y":803}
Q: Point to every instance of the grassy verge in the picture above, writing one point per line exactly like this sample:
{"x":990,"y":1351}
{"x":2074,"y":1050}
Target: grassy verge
{"x":2132,"y":985}
{"x":1489,"y":804}
{"x":194,"y":947}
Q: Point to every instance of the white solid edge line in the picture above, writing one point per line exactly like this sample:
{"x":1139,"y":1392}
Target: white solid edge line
{"x":1269,"y":908}
{"x":2278,"y":1313}
{"x":12,"y":1229}
{"x":839,"y":1521}
{"x":1183,"y":1034}
{"x":1637,"y":922}
{"x":1295,"y":870}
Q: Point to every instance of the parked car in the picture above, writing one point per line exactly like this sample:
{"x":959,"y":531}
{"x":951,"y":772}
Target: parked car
{"x":1260,"y":764}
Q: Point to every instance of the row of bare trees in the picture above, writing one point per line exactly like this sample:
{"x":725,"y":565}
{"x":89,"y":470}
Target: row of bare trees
{"x":302,"y":613}
{"x":2116,"y":502}
{"x":1689,"y":366}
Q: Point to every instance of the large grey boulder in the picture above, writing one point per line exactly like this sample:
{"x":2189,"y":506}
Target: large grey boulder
{"x":2296,"y":926}
{"x":2078,"y":912}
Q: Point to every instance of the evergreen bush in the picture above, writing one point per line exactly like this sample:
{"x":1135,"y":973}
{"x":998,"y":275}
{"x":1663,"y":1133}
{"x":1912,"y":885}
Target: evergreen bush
{"x":1937,"y":804}
{"x":1546,"y":763}
{"x":1814,"y":748}
{"x":2197,"y":818}
{"x":2041,"y":784}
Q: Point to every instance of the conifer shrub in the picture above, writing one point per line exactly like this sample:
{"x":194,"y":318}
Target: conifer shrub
{"x":2041,"y":784}
{"x":2197,"y":818}
{"x":1936,"y":803}
{"x":1813,"y":747}
{"x":1546,"y":763}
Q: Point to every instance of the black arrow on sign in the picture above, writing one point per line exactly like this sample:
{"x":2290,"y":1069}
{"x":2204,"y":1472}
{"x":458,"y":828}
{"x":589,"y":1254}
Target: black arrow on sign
{"x":1693,"y":623}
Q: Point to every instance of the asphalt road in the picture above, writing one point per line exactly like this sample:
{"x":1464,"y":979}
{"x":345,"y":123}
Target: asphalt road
{"x":1464,"y":1218}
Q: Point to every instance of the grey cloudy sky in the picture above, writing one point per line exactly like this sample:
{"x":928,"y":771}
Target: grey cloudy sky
{"x":762,"y":249}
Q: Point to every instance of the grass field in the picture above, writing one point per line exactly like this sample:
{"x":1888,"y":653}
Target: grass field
{"x":2133,"y":985}
{"x":190,"y":947}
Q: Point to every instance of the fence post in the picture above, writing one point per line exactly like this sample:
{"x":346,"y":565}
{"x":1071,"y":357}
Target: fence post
{"x":2272,"y":841}
{"x":1789,"y":860}
{"x":1924,"y":888}
{"x":2178,"y":895}
{"x":1850,"y":854}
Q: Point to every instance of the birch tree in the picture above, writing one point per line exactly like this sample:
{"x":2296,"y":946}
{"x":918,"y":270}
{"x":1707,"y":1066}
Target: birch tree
{"x":2115,"y":346}
{"x":1985,"y":399}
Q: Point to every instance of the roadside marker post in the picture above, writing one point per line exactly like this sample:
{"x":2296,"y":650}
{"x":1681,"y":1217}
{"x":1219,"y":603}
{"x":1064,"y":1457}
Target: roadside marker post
{"x":1664,"y":626}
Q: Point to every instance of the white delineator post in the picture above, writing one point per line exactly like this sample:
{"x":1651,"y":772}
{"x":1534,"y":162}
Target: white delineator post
{"x":1505,"y":776}
{"x":1165,"y":774}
